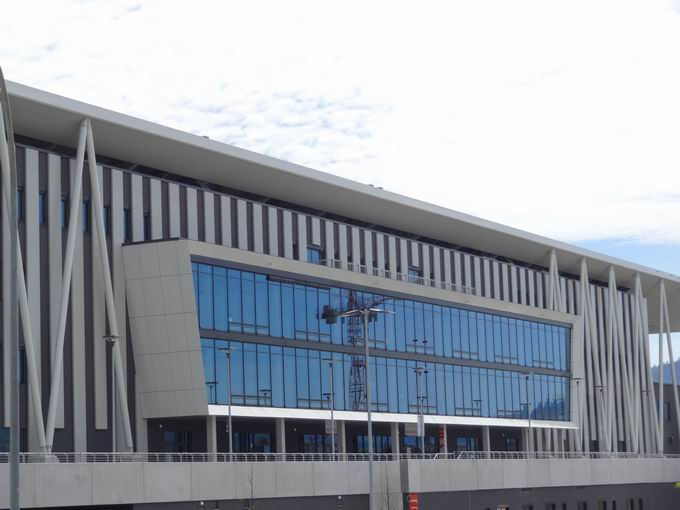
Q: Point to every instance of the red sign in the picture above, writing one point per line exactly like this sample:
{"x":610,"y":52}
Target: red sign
{"x":442,"y":439}
{"x":413,"y":501}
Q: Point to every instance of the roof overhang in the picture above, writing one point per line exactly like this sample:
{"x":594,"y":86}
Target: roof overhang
{"x":45,"y":116}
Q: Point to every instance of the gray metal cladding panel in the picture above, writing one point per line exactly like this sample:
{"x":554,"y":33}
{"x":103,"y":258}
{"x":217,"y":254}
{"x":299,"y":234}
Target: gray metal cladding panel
{"x":288,"y":234}
{"x":392,"y":253}
{"x":316,"y":231}
{"x":192,"y":213}
{"x":273,"y":225}
{"x":302,"y":237}
{"x":174,"y":209}
{"x":209,"y":216}
{"x":136,"y":188}
{"x":242,"y":223}
{"x":258,"y":229}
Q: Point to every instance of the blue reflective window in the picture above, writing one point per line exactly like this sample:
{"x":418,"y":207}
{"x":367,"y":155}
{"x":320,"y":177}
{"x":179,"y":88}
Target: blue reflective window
{"x":392,"y":386}
{"x":302,"y":366}
{"x":339,"y":382}
{"x":277,"y":379}
{"x":450,"y":390}
{"x":221,"y":312}
{"x":261,"y":305}
{"x":264,"y":382}
{"x":250,"y":392}
{"x":336,"y":327}
{"x":464,"y":350}
{"x":446,"y":332}
{"x":472,"y":336}
{"x":324,"y":328}
{"x":234,"y":299}
{"x":241,"y":301}
{"x":402,"y":377}
{"x":315,"y":399}
{"x":265,"y":375}
{"x":290,"y":377}
{"x":275,"y":309}
{"x":64,"y":214}
{"x":106,"y":219}
{"x":127,"y":221}
{"x":481,"y":337}
{"x":42,"y":208}
{"x":400,"y":325}
{"x":208,"y":353}
{"x":300,"y":312}
{"x":288,"y":310}
{"x":237,"y":391}
{"x":248,"y":301}
{"x":312,"y":314}
{"x":205,"y":296}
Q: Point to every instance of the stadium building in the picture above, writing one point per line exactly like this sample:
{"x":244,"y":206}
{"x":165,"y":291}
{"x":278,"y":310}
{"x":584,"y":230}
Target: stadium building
{"x":180,"y":284}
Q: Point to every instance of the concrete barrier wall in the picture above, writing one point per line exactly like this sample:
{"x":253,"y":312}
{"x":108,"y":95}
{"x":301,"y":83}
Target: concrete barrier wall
{"x":447,"y":476}
{"x":54,"y":485}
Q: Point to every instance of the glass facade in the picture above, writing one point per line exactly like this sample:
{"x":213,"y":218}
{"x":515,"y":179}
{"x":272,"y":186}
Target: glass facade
{"x":246,"y":302}
{"x":238,"y":301}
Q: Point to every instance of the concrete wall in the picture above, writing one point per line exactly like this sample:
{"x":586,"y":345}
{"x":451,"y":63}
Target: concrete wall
{"x":56,"y":485}
{"x":449,"y":476}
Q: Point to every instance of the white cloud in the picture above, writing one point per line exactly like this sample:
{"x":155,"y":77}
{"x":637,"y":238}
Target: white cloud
{"x":557,"y":117}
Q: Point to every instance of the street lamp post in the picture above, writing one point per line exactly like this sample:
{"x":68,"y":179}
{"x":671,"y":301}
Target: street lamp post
{"x":419,"y":403}
{"x":112,"y":340}
{"x":526,"y":387}
{"x":331,"y":398}
{"x":330,"y":315}
{"x":227,"y":352}
{"x":366,"y":314}
{"x":602,"y":390}
{"x":578,"y":380}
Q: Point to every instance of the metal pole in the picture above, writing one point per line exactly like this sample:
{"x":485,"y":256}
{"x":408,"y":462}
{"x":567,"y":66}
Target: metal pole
{"x":419,"y":410}
{"x":231,"y":432}
{"x":371,"y":502}
{"x":332,"y":399}
{"x":529,"y":433}
{"x":227,"y":352}
{"x":14,"y":500}
{"x":578,"y":380}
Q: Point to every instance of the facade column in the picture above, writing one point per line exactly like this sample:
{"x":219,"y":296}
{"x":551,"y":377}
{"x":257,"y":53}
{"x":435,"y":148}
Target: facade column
{"x":444,"y":443}
{"x":486,"y":439}
{"x":280,"y":435}
{"x":539,"y":440}
{"x":395,"y":438}
{"x":526,"y":442}
{"x":211,"y":434}
{"x":342,"y":437}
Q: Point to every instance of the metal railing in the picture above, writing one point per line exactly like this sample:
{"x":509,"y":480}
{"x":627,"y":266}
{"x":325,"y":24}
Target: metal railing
{"x":383,"y":273}
{"x":161,"y":457}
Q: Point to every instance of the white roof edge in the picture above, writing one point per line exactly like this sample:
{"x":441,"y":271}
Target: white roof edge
{"x":400,"y":210}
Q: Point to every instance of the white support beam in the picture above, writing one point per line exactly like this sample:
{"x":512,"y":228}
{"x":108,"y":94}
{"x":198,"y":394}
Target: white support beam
{"x":121,"y":391}
{"x":73,"y":225}
{"x":34,"y":385}
{"x":669,"y":343}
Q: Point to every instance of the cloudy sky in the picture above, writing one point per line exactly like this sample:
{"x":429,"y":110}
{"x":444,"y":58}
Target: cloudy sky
{"x":558,"y":117}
